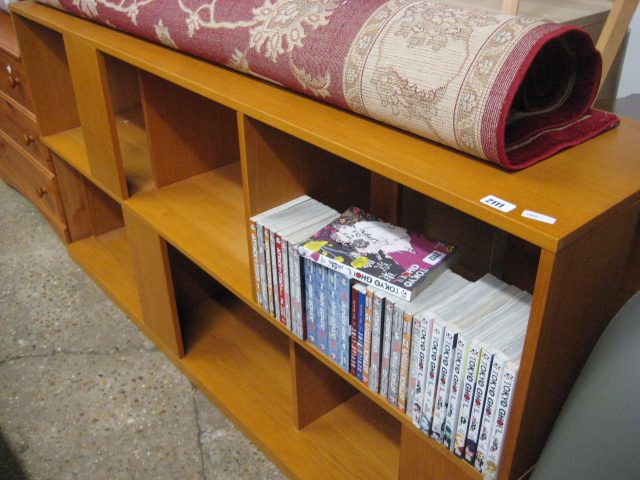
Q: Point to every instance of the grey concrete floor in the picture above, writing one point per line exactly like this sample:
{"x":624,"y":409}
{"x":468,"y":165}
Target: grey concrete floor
{"x":83,"y":393}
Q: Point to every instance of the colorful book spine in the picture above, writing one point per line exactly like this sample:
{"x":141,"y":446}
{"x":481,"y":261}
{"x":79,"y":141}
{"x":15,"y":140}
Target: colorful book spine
{"x":362,"y":304}
{"x":321,"y":307}
{"x":355,"y":308}
{"x":366,"y":341}
{"x":332,"y":315}
{"x":405,"y":354}
{"x":256,"y":260}
{"x":343,"y":285}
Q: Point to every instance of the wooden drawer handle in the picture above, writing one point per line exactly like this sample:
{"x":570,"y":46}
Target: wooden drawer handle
{"x":29,"y":139}
{"x":41,"y":191}
{"x":13,"y":81}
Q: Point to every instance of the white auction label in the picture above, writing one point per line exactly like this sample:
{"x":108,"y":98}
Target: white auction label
{"x":538,"y":216}
{"x":498,"y":203}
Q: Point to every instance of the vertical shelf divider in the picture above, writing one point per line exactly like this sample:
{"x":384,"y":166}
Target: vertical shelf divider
{"x":316,"y":388}
{"x":152,"y":271}
{"x":88,"y":73}
{"x":188,"y":134}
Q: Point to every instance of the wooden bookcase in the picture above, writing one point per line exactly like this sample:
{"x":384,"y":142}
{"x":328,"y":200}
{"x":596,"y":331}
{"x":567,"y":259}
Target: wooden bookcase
{"x":161,"y":160}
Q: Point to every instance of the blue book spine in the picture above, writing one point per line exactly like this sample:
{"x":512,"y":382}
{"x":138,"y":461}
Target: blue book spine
{"x":361,"y":308}
{"x":310,"y":300}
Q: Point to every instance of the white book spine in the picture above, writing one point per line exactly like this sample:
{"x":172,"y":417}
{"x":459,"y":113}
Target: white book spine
{"x":423,"y":343}
{"x":403,"y":378}
{"x":433,"y":364}
{"x":376,"y":341}
{"x":468,"y":388}
{"x":366,"y":342}
{"x":491,"y":402}
{"x":295,"y":288}
{"x":477,"y":406}
{"x":256,"y":261}
{"x":443,"y":384}
{"x":505,"y":399}
{"x":413,"y":363}
{"x":394,"y":361}
{"x":455,"y":395}
{"x":262,"y":258}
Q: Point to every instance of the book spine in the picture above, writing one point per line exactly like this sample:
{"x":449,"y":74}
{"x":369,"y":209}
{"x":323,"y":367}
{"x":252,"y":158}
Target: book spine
{"x":286,"y":280}
{"x":256,"y":260}
{"x":262,"y":259}
{"x":387,"y":326}
{"x":505,"y":399}
{"x":413,"y":362}
{"x":344,"y":325}
{"x":396,"y":350}
{"x":404,"y":293}
{"x":274,"y":273}
{"x":332,"y":315}
{"x":295,"y":287}
{"x":455,"y":395}
{"x":321,"y":308}
{"x":268,"y":269}
{"x":403,"y":377}
{"x":443,"y":384}
{"x":433,"y":365}
{"x":280,"y":292}
{"x":468,"y":388}
{"x":477,"y":406}
{"x":310,"y":297}
{"x":362,"y":305}
{"x":493,"y":395}
{"x":422,"y":347}
{"x":366,"y":341}
{"x":376,"y":341}
{"x":355,"y":308}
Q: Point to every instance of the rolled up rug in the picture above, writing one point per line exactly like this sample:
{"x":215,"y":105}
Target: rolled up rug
{"x":506,"y":89}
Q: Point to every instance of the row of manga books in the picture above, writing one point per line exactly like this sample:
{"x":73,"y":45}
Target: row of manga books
{"x":382,"y":303}
{"x":449,"y":359}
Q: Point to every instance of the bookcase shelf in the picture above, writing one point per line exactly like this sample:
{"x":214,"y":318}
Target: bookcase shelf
{"x":162,"y":159}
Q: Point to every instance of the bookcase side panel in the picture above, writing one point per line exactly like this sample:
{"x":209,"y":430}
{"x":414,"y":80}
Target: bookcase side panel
{"x":189,"y":134}
{"x":44,"y":59}
{"x":88,"y":72}
{"x":577,"y":293}
{"x":155,"y":285}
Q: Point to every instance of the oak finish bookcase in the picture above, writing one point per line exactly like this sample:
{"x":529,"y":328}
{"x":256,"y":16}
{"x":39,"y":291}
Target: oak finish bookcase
{"x":161,"y":159}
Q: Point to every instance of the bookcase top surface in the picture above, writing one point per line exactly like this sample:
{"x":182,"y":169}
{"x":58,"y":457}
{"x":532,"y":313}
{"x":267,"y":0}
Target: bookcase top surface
{"x":576,"y":189}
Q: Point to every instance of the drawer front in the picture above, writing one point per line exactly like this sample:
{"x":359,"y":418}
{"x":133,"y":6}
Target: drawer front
{"x":20,"y":124}
{"x":34,"y":181}
{"x":13,"y":80}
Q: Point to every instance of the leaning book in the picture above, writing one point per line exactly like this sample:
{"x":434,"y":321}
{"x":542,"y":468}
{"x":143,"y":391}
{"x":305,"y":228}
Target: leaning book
{"x":368,"y":249}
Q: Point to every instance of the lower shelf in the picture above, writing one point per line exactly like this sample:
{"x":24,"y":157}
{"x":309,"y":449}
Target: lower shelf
{"x":242,"y":363}
{"x":106,"y":259}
